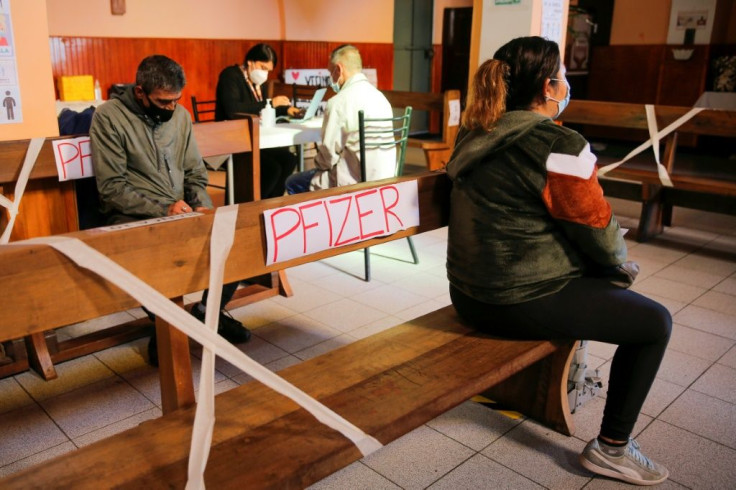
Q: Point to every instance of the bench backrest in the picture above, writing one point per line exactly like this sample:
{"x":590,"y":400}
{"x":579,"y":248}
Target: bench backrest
{"x":226,"y":137}
{"x":431,"y":102}
{"x":633,"y":116}
{"x":181,"y":248}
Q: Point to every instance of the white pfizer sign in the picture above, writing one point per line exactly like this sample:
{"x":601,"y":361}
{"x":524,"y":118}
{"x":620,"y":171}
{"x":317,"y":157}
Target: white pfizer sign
{"x":73,"y":158}
{"x":322,"y":224}
{"x":320,"y":77}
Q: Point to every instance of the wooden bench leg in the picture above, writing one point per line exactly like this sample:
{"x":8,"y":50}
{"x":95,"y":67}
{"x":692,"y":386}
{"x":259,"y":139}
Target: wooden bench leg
{"x":39,"y":357}
{"x":650,"y":221}
{"x":284,"y":286}
{"x":540,"y":391}
{"x":437,"y":159}
{"x":174,"y":365}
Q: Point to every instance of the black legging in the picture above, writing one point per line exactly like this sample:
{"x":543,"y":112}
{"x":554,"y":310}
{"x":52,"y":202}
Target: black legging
{"x":589,"y":309}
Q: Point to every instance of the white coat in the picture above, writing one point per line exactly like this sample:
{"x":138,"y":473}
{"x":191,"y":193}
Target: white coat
{"x":338,"y":155}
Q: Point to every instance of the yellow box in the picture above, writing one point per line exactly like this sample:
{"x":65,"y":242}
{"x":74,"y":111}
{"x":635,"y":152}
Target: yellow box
{"x":80,"y":87}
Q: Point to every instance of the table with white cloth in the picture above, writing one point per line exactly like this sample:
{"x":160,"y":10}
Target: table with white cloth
{"x":288,"y":134}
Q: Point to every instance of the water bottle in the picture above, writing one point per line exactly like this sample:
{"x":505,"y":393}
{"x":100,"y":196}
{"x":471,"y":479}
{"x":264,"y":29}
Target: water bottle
{"x":268,"y":115}
{"x":98,"y":90}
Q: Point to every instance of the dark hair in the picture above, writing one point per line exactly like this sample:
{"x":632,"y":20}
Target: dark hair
{"x":160,"y":72}
{"x":513,"y":80}
{"x":261,"y":52}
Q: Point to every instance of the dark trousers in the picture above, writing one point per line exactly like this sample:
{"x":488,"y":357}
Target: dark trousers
{"x":276,"y":165}
{"x":589,"y":309}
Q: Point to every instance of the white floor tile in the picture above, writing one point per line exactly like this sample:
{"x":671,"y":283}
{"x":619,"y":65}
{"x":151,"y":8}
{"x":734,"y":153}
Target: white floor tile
{"x":418,"y":459}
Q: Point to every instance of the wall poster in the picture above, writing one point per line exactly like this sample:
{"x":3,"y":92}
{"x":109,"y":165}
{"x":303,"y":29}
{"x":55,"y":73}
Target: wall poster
{"x":10,"y":112}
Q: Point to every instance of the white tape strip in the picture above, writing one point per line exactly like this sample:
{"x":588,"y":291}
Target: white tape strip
{"x":664,"y":176}
{"x":89,"y":258}
{"x":661,"y":134}
{"x":221,"y":241}
{"x":34,"y":148}
{"x":652,"y":126}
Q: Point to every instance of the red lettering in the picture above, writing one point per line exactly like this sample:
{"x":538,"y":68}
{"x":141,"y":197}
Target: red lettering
{"x":277,"y":237}
{"x":305,"y":225}
{"x":329,"y":219}
{"x":84,"y":144}
{"x":339,"y":242}
{"x":387,"y":209}
{"x":64,"y":161}
{"x":363,"y":235}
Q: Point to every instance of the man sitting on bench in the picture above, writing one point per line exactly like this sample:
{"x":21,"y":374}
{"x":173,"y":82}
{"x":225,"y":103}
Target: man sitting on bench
{"x":338,"y":155}
{"x":147,"y":164}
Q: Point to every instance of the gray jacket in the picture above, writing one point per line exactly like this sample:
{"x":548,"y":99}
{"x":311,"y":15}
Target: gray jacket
{"x":143,"y":167}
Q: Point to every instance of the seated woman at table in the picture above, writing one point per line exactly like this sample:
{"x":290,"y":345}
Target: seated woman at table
{"x":239,"y":91}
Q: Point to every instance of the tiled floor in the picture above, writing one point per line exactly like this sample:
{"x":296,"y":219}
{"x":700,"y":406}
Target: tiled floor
{"x":688,"y":422}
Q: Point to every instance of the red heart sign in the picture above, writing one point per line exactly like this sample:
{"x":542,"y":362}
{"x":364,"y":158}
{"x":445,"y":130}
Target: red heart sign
{"x":295,"y":74}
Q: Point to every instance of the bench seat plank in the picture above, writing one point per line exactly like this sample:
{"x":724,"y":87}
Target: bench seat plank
{"x":387,"y":384}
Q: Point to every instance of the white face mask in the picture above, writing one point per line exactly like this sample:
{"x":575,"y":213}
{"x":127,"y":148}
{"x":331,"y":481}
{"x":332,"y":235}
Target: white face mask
{"x":257,"y":76}
{"x":561,"y":104}
{"x":334,"y":84}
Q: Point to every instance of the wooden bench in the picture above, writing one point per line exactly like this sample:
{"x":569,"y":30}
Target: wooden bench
{"x":387,"y":384}
{"x":437,"y":147}
{"x":42,"y":350}
{"x":694,"y":189}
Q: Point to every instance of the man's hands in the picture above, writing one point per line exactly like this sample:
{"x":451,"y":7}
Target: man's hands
{"x":180,"y":207}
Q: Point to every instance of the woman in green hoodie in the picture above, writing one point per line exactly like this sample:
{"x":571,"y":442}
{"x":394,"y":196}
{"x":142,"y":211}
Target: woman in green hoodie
{"x":534,"y":250}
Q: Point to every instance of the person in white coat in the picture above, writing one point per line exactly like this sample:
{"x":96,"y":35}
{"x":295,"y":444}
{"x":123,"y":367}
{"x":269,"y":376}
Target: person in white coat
{"x":338,"y":155}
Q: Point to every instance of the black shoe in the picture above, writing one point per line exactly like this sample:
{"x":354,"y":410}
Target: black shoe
{"x":232,"y":330}
{"x":153,"y":351}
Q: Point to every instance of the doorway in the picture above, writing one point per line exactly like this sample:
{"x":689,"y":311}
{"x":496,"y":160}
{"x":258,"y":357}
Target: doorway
{"x":456,"y":26}
{"x":413,"y":52}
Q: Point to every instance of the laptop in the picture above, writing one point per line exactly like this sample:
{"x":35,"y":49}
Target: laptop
{"x":311,"y":110}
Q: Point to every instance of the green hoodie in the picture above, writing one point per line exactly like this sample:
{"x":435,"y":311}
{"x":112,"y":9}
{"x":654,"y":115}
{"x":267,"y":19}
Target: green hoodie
{"x":527,"y":211}
{"x":143,"y":167}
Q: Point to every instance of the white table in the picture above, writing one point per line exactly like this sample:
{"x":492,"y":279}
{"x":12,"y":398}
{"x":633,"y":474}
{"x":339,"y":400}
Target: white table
{"x":287,"y":134}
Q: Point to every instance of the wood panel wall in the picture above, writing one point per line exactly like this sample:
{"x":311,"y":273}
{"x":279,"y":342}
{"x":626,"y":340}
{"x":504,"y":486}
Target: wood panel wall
{"x":114,"y":60}
{"x":647,"y":74}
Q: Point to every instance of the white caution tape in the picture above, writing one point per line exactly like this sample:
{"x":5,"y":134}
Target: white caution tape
{"x":87,"y":257}
{"x":221,"y":241}
{"x":34,"y":148}
{"x":655,"y":137}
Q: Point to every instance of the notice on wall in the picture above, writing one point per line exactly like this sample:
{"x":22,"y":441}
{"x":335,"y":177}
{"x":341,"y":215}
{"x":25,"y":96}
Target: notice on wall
{"x":322,"y":224}
{"x":691,"y":21}
{"x":11,"y":111}
{"x":553,"y":13}
{"x":73,"y":158}
{"x":320,"y":77}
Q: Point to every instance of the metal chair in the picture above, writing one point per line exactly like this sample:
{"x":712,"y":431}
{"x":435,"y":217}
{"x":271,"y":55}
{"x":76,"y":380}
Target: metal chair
{"x":384,"y":136}
{"x":207,"y":108}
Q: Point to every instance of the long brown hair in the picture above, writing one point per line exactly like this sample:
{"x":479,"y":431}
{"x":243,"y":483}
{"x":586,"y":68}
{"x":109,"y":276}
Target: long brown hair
{"x":512,"y":80}
{"x":486,"y":100}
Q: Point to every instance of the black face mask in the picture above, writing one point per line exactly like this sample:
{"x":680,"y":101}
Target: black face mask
{"x":158,"y":114}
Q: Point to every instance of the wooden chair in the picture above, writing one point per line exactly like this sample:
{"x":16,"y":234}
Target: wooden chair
{"x":203,"y":110}
{"x":377,"y":137}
